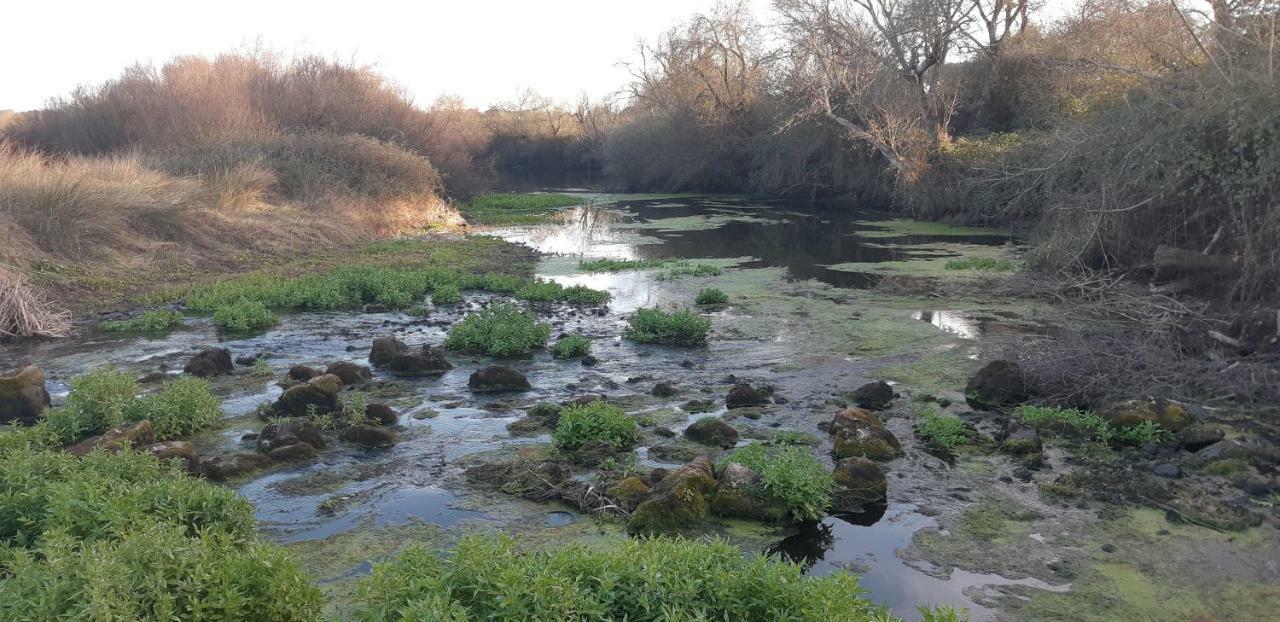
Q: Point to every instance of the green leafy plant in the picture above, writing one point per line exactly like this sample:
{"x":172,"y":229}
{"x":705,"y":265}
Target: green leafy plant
{"x":244,"y":315}
{"x":446,"y":293}
{"x":182,"y":406}
{"x":682,"y":327}
{"x":501,"y":330}
{"x":986,"y":264}
{"x":596,"y":421}
{"x":489,"y":578}
{"x":1090,"y":425}
{"x":790,"y":475}
{"x":571,"y":346}
{"x":941,"y":432}
{"x":516,"y":208}
{"x":154,"y":321}
{"x":618,"y":265}
{"x":583,"y":295}
{"x":711,"y":296}
{"x":684,"y":268}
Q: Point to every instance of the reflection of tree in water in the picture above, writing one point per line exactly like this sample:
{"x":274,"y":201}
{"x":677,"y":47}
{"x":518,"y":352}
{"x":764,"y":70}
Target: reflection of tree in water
{"x":806,"y":547}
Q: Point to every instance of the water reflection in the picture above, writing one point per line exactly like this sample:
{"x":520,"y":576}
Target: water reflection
{"x":954,"y":322}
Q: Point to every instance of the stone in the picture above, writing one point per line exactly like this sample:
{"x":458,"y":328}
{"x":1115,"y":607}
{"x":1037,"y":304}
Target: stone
{"x":495,"y":378}
{"x":248,"y":360}
{"x":23,"y":396}
{"x":858,"y":482}
{"x":664,"y":389}
{"x":1167,"y":471}
{"x":349,"y":373}
{"x":1167,"y":414}
{"x":677,"y":502}
{"x":1020,"y":440}
{"x":227,"y":467}
{"x":629,"y":491}
{"x":1198,"y":436}
{"x":874,"y":395}
{"x":320,"y":394}
{"x":743,"y":394}
{"x":712,"y":431}
{"x":296,"y":451}
{"x":859,"y":433}
{"x":675,"y":453}
{"x":290,"y":432}
{"x":381,"y":413}
{"x":997,"y":384}
{"x":129,"y":435}
{"x":302,"y":373}
{"x":590,"y":361}
{"x":209,"y":362}
{"x":694,"y":407}
{"x":738,"y":494}
{"x":182,"y":451}
{"x":393,"y":355}
{"x":369,"y":436}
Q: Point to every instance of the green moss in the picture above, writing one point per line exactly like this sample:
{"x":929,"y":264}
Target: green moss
{"x":898,"y":227}
{"x":988,"y":264}
{"x":619,"y":265}
{"x":1227,"y":467}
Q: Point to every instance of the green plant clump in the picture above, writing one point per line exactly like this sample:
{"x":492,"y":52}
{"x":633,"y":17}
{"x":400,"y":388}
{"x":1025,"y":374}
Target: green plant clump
{"x":986,"y":264}
{"x":682,"y":327}
{"x":941,"y":432}
{"x":571,"y":346}
{"x":711,"y":296}
{"x":618,"y":265}
{"x":501,"y":330}
{"x":684,"y":268}
{"x":244,"y":315}
{"x":446,"y":293}
{"x":488,"y":578}
{"x":550,"y":291}
{"x":1091,"y":425}
{"x":153,"y":321}
{"x":789,"y":475}
{"x":596,"y":421}
{"x":510,"y":208}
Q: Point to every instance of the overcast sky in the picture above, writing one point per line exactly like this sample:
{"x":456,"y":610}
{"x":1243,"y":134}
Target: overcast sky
{"x":487,"y":51}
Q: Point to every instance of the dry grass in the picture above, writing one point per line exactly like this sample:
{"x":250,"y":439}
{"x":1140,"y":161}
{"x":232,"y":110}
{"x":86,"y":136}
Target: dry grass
{"x":24,"y":313}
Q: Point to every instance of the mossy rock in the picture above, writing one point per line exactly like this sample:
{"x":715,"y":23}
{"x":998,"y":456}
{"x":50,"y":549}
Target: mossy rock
{"x":859,"y":433}
{"x":997,"y":385}
{"x":1167,"y":414}
{"x":858,"y":482}
{"x":712,"y":431}
{"x":679,"y":502}
{"x":23,"y":396}
{"x":740,"y":495}
{"x":629,"y":491}
{"x":320,"y":394}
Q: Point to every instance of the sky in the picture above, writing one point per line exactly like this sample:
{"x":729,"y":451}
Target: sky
{"x":486,"y":51}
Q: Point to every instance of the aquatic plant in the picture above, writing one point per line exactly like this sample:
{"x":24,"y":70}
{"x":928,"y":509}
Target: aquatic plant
{"x":987,"y":264}
{"x":548,"y":291}
{"x":244,"y":315}
{"x":789,"y":475}
{"x":941,"y":432}
{"x":682,"y":327}
{"x":596,"y":421}
{"x":711,"y":296}
{"x":446,"y":293}
{"x":684,"y":268}
{"x":182,"y":406}
{"x":618,"y":265}
{"x":489,"y":578}
{"x":501,"y":330}
{"x":1090,"y":424}
{"x":509,"y":208}
{"x":571,"y":346}
{"x":153,"y":321}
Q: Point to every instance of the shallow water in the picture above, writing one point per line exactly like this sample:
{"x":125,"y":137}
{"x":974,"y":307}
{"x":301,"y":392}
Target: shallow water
{"x":785,"y":250}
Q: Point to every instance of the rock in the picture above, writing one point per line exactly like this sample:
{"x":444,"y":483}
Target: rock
{"x":349,"y":373}
{"x":593,"y":452}
{"x":226,"y":467}
{"x":859,"y":482}
{"x":629,"y":491}
{"x":739,"y":495}
{"x":248,"y":360}
{"x":381,"y":413}
{"x":874,"y":395}
{"x":1167,"y":471}
{"x":998,"y":384}
{"x":129,"y":435}
{"x":664,"y":431}
{"x":743,"y":394}
{"x":677,"y":502}
{"x":1167,"y":414}
{"x":664,"y":389}
{"x":320,"y":394}
{"x":1198,"y":436}
{"x":290,"y":432}
{"x":1020,"y":440}
{"x":296,"y":451}
{"x":153,"y":377}
{"x":175,"y":450}
{"x":496,"y":378}
{"x":209,"y":362}
{"x":23,"y":396}
{"x":526,"y":426}
{"x":694,"y":407}
{"x":675,"y":453}
{"x":858,"y":433}
{"x":375,"y":308}
{"x":1108,"y":548}
{"x":393,"y":355}
{"x":302,"y":373}
{"x":369,"y":436}
{"x":712,"y":431}
{"x":590,"y":361}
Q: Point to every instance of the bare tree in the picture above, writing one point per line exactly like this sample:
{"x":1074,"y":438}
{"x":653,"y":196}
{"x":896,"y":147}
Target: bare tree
{"x":995,"y":22}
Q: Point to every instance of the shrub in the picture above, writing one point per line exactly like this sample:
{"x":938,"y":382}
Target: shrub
{"x":711,"y":296}
{"x":487,"y":578}
{"x":496,"y":283}
{"x":596,"y":421}
{"x":682,"y":327}
{"x":154,"y":321}
{"x":789,"y":475}
{"x":182,"y":406}
{"x":502,"y":330}
{"x":244,"y":315}
{"x":571,"y":346}
{"x":941,"y":432}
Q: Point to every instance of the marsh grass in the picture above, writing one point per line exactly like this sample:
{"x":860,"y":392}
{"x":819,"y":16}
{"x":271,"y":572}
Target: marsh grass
{"x":516,"y":208}
{"x":571,"y":346}
{"x":619,"y":265}
{"x":682,"y":327}
{"x":596,"y":421}
{"x":711,"y":296}
{"x":244,"y":315}
{"x":987,"y":264}
{"x":153,"y":321}
{"x":941,"y":431}
{"x":1090,"y":425}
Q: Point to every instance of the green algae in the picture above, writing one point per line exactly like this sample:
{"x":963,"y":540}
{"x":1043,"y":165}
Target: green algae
{"x":931,"y":260}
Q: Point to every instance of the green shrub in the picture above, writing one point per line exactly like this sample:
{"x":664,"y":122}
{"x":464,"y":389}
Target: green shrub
{"x":596,"y":421}
{"x":244,"y":315}
{"x":99,"y":400}
{"x":502,"y":330}
{"x":988,"y":264}
{"x":941,"y":432}
{"x":488,"y":578}
{"x":496,"y":283}
{"x":711,"y":296}
{"x":571,"y":346}
{"x":446,"y":293}
{"x":618,"y":265}
{"x":789,"y":475}
{"x":182,"y":406}
{"x":682,"y":327}
{"x":154,"y":321}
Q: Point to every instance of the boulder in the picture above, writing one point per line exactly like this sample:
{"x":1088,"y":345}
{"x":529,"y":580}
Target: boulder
{"x":743,"y":394}
{"x":393,"y":355}
{"x":1167,"y":414}
{"x":349,"y":373}
{"x":998,"y":384}
{"x":129,"y":435}
{"x":712,"y":431}
{"x":210,"y":362}
{"x":496,"y":378}
{"x":290,"y":432}
{"x":629,"y":492}
{"x":320,"y":394}
{"x":248,"y":360}
{"x":369,"y":436}
{"x":858,"y":433}
{"x":664,"y":389}
{"x":677,"y":502}
{"x":1200,"y":435}
{"x":1020,"y":440}
{"x":175,"y":450}
{"x":23,"y":396}
{"x":302,"y":373}
{"x":381,"y":413}
{"x":296,"y":451}
{"x":738,"y":494}
{"x":227,"y":467}
{"x":874,"y":395}
{"x":858,"y":482}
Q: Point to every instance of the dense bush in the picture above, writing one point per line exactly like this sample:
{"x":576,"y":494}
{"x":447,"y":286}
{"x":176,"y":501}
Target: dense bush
{"x":597,"y":421}
{"x":244,"y":315}
{"x":656,"y":326}
{"x":789,"y":475}
{"x":501,"y":330}
{"x":571,"y":346}
{"x":487,"y":578}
